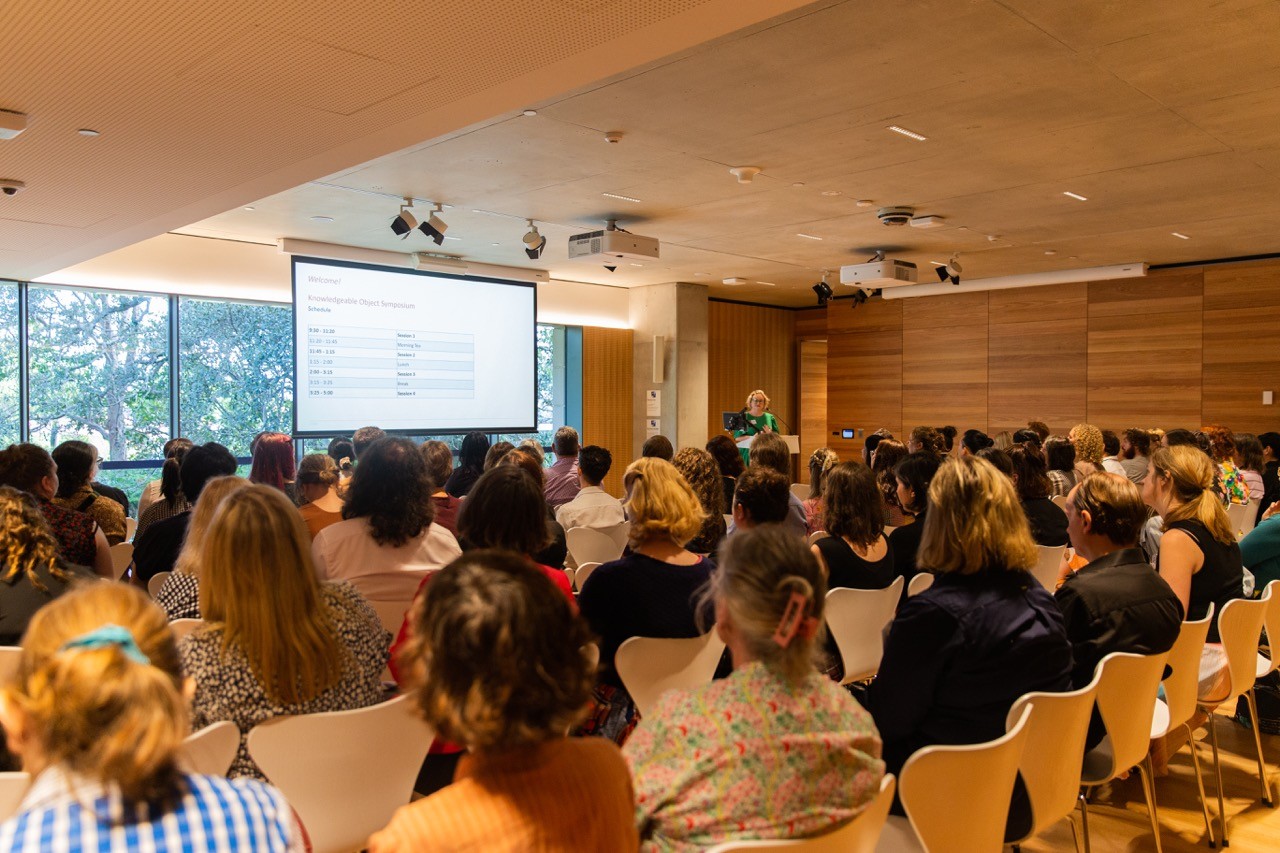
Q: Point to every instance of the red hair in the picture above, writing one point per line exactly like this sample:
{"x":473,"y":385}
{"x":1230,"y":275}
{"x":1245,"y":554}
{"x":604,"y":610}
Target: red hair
{"x":273,"y":462}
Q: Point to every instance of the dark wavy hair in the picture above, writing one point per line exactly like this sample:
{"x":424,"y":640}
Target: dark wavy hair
{"x":1031,"y":476}
{"x":23,"y":466}
{"x":725,"y":452}
{"x":75,"y":464}
{"x":391,"y":488}
{"x":474,"y":447}
{"x":505,"y":509}
{"x":916,"y":473}
{"x":1059,"y":454}
{"x":853,"y":509}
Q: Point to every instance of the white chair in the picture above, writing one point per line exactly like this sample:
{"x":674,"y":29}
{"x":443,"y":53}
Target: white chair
{"x":182,"y":627}
{"x":212,"y":749}
{"x":9,"y":657}
{"x":728,"y":519}
{"x":1180,"y":697}
{"x":619,"y":533}
{"x":857,"y":836}
{"x":1060,"y":501}
{"x":800,"y":490}
{"x":1127,"y":686}
{"x":121,"y":557}
{"x":856,"y":619}
{"x":588,"y":545}
{"x":816,"y":535}
{"x":583,"y":572}
{"x":1240,"y":627}
{"x":1056,"y":735}
{"x":1048,"y":566}
{"x":1243,"y":518}
{"x":1271,"y":621}
{"x":391,"y":613}
{"x":130,"y":528}
{"x":157,"y":583}
{"x":919,"y":583}
{"x":650,"y":666}
{"x":957,"y":797}
{"x":572,"y":575}
{"x":344,"y":772}
{"x":13,"y":787}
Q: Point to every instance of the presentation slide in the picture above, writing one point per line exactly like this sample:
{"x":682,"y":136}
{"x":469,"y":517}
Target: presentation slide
{"x":410,"y":351}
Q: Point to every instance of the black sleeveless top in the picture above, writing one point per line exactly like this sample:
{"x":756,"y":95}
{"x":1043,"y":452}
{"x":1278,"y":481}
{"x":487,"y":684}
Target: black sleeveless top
{"x":1220,"y":579}
{"x":845,"y":568}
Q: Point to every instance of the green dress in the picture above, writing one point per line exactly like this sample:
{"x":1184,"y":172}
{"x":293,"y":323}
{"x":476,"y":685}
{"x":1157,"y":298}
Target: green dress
{"x":755,"y":425}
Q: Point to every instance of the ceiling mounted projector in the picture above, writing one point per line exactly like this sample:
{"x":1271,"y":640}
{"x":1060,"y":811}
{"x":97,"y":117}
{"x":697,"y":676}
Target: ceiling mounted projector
{"x":612,"y":242}
{"x":895,"y":216}
{"x":880,"y":273}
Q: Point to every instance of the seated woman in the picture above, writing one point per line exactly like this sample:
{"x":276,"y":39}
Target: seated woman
{"x":276,"y":641}
{"x":471,"y":462}
{"x":179,"y":597}
{"x":974,"y":441}
{"x":174,"y":447}
{"x":729,"y":461}
{"x":318,"y":478}
{"x":700,"y":472}
{"x":797,"y":752}
{"x":1089,"y":449}
{"x":498,"y":665}
{"x":1060,"y":465}
{"x":887,"y":455}
{"x":388,"y":541}
{"x":33,"y":571}
{"x":820,"y":464}
{"x":856,"y":554}
{"x":439,"y":459}
{"x":98,"y":715}
{"x":495,"y":454}
{"x":343,"y":454}
{"x":556,"y":551}
{"x":649,"y":592}
{"x":167,"y":500}
{"x":959,"y":654}
{"x":912,"y":477}
{"x":273,"y":463}
{"x":1048,"y":521}
{"x":77,"y":463}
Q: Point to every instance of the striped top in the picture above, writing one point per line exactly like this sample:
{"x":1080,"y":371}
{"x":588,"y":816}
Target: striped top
{"x":67,"y":813}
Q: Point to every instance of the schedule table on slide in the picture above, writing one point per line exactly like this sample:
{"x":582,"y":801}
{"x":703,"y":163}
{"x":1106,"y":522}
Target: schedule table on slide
{"x":354,"y":361}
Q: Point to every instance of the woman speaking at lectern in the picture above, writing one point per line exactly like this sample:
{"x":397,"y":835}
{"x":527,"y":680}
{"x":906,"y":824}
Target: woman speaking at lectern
{"x":757,"y":420}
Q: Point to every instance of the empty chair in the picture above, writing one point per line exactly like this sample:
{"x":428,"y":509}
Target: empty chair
{"x":13,"y":787}
{"x":157,"y":583}
{"x":1271,"y":621}
{"x":919,"y":583}
{"x":800,"y":490}
{"x":344,"y":772}
{"x":618,"y":533}
{"x":588,"y":545}
{"x":391,"y":613}
{"x":1046,"y":570}
{"x":940,"y":783}
{"x":859,"y":835}
{"x":130,"y":528}
{"x":650,"y":666}
{"x":583,"y":572}
{"x":212,"y":749}
{"x":9,"y":657}
{"x":856,"y":619}
{"x":182,"y":627}
{"x":1127,"y":685}
{"x":1243,"y":518}
{"x":121,"y":557}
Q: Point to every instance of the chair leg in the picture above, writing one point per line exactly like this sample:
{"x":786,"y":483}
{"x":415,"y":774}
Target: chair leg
{"x":1147,"y":777}
{"x":1217,"y":769}
{"x":1084,"y":819}
{"x":1075,"y":836}
{"x":1257,"y":742}
{"x":1204,"y":804}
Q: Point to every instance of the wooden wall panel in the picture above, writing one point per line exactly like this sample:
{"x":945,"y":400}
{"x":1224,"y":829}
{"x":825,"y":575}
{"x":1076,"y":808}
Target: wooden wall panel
{"x":811,"y":324}
{"x":1145,"y":351}
{"x":864,"y":372}
{"x":606,"y":397}
{"x":812,"y":395}
{"x":750,"y":347}
{"x":1241,"y":347}
{"x":944,"y":361}
{"x":1037,"y":357}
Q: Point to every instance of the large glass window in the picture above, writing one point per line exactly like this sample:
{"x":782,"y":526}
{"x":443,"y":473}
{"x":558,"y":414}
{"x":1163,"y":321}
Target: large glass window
{"x":236,"y":371}
{"x":10,"y":413}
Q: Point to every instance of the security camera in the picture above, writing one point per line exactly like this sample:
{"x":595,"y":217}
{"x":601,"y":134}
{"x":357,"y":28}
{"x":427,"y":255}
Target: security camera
{"x":11,"y":187}
{"x":609,"y":267}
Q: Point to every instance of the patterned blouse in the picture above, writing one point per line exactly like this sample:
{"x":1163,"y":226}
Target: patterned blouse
{"x":75,"y":532}
{"x":179,"y":596}
{"x":752,"y":756}
{"x":108,"y":513}
{"x":1234,"y":487}
{"x":226,"y":688}
{"x":159,"y":511}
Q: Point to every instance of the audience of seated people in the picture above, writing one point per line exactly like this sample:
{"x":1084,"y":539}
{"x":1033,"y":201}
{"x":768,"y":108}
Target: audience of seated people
{"x":761,"y":497}
{"x":556,"y":551}
{"x":179,"y":596}
{"x":700,"y":472}
{"x":77,"y":463}
{"x":1086,"y":439}
{"x":884,"y":459}
{"x":363,"y":438}
{"x":472,"y":462}
{"x":163,"y":498}
{"x":343,"y":454}
{"x":974,"y":441}
{"x":561,"y":479}
{"x":771,"y":451}
{"x":1135,"y":447}
{"x":657,"y":446}
{"x":274,"y":463}
{"x":1060,"y":466}
{"x":856,"y":553}
{"x":318,"y":480}
{"x":1111,"y":450}
{"x":729,"y":461}
{"x":1031,"y":481}
{"x":175,"y":449}
{"x":592,"y":506}
{"x":912,"y":477}
{"x":496,"y":453}
{"x":157,"y":549}
{"x":1270,"y":442}
{"x":439,"y":460}
{"x":821,"y":462}
{"x":1260,"y":548}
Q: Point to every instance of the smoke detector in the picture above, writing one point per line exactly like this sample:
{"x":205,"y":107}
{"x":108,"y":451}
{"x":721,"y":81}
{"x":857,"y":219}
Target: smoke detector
{"x":895,"y":216}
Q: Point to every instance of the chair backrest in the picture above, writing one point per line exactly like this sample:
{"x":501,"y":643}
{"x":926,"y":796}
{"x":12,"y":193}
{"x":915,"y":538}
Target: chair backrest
{"x":572,"y":574}
{"x":859,"y":835}
{"x":157,"y":583}
{"x":1127,"y":685}
{"x":1240,"y":627}
{"x":816,"y":535}
{"x":618,"y":533}
{"x":344,"y":772}
{"x":1056,"y":735}
{"x":1272,"y":623}
{"x":212,"y":749}
{"x":1184,"y":679}
{"x":588,"y":545}
{"x":938,"y":783}
{"x":800,"y":490}
{"x":919,"y":583}
{"x":583,"y":572}
{"x":391,"y":613}
{"x":1046,"y":570}
{"x":13,"y":787}
{"x":650,"y":666}
{"x":1243,"y":518}
{"x":856,"y":619}
{"x":1060,"y":501}
{"x":728,"y":519}
{"x":121,"y":557}
{"x":182,"y":627}
{"x":130,"y":528}
{"x":9,"y":657}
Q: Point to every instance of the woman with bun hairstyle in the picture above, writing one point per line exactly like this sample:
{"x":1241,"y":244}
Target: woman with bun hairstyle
{"x":887,"y":455}
{"x":77,"y":463}
{"x":318,"y":478}
{"x":167,"y":486}
{"x":776,"y":750}
{"x":97,"y":712}
{"x":973,"y":441}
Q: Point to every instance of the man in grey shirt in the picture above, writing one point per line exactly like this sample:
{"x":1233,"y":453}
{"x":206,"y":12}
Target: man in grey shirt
{"x":1135,"y":447}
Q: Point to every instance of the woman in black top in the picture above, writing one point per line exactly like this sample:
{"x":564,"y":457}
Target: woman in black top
{"x":1048,"y":521}
{"x":729,"y":461}
{"x":856,"y":554}
{"x":913,"y":476}
{"x":470,"y":464}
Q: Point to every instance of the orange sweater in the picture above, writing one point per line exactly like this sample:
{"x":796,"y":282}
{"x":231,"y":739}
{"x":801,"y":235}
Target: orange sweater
{"x":563,"y":795}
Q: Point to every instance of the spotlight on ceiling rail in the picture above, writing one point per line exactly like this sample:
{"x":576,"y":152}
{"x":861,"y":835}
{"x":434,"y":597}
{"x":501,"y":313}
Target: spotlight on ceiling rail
{"x":950,"y":271}
{"x":434,"y":227}
{"x":403,"y":224}
{"x":534,"y":242}
{"x":823,"y":290}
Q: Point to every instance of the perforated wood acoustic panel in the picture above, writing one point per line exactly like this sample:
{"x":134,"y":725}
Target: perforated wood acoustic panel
{"x":606,"y":397}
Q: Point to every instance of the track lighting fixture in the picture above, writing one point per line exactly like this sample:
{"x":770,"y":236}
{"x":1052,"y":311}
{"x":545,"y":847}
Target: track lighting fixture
{"x":823,"y":290}
{"x":434,"y":227}
{"x":403,"y":224}
{"x":950,"y":271}
{"x":534,"y":242}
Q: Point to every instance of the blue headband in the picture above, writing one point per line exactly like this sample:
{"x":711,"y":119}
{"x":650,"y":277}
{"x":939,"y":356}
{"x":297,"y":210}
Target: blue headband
{"x":106,"y":636}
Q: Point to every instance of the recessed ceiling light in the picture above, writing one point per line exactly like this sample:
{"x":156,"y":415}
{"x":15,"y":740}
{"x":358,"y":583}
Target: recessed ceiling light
{"x":830,"y":193}
{"x":454,"y":238}
{"x":1076,"y":196}
{"x":864,"y":202}
{"x":530,"y":112}
{"x":937,"y":263}
{"x":798,"y":184}
{"x":767,"y":283}
{"x":251,"y":208}
{"x":322,"y":219}
{"x":495,"y":244}
{"x":808,"y":236}
{"x":733,"y":281}
{"x":621,"y":197}
{"x":88,"y":131}
{"x":1051,"y":251}
{"x":634,"y":264}
{"x":909,"y":133}
{"x":1180,"y":235}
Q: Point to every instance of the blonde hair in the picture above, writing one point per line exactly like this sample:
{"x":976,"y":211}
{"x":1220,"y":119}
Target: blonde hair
{"x":317,"y":469}
{"x":1087,"y":439}
{"x":975,"y":522}
{"x":1190,"y":472}
{"x":761,"y":395}
{"x":211,"y":497}
{"x":662,"y":502}
{"x":258,"y":581}
{"x":98,"y":711}
{"x":26,"y":543}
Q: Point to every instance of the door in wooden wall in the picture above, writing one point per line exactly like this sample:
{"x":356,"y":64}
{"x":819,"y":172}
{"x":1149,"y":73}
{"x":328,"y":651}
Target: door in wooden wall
{"x":813,"y":401}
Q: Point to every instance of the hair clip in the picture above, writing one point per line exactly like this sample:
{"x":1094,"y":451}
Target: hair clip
{"x":794,"y":621}
{"x":105,"y":636}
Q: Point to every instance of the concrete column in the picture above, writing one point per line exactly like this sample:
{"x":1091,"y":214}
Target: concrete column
{"x":678,"y":313}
